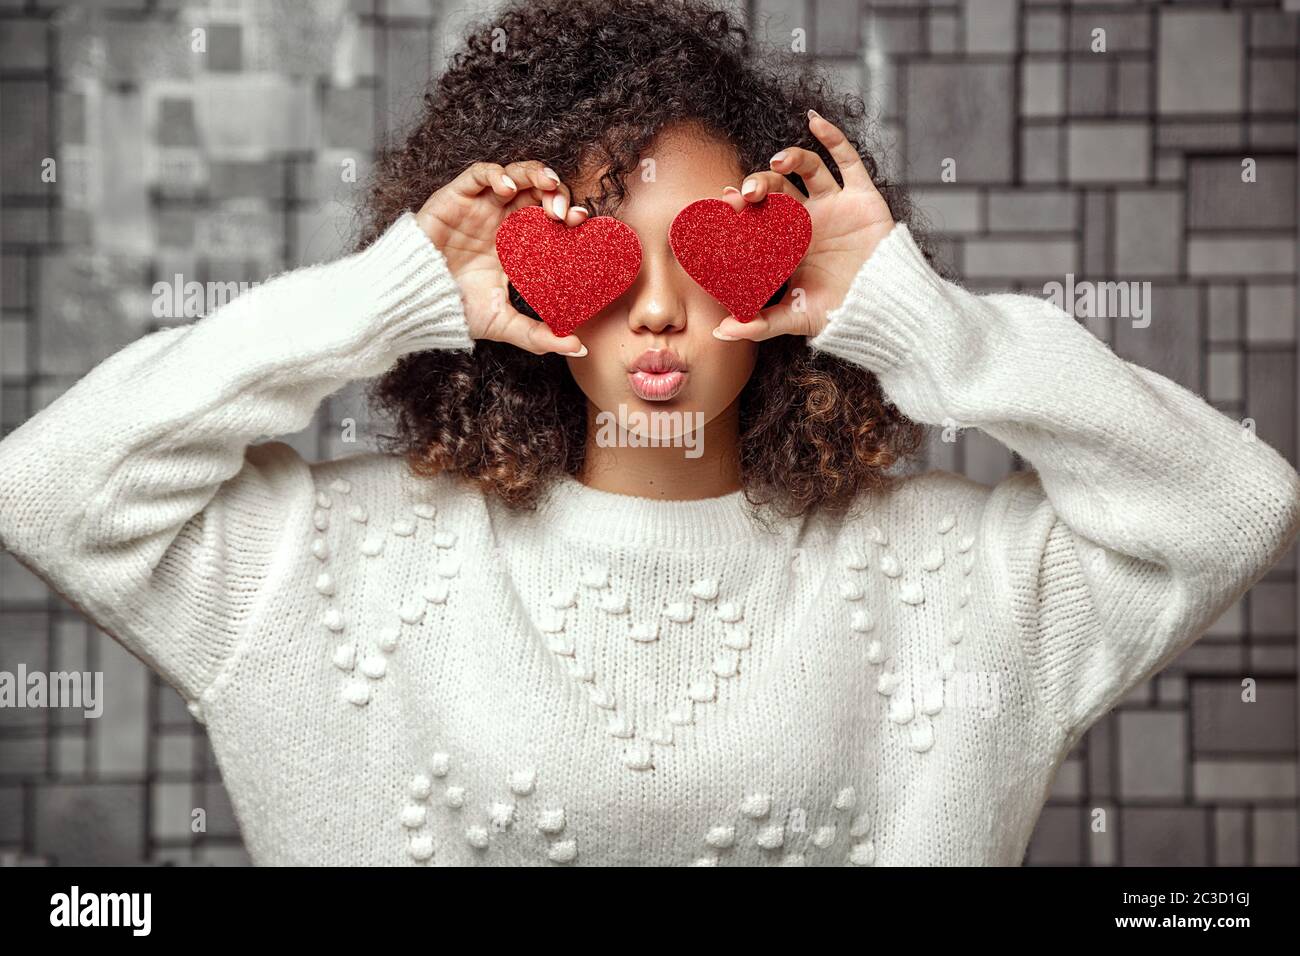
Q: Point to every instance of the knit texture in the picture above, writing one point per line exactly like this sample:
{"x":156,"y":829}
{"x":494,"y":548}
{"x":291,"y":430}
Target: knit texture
{"x":396,"y":670}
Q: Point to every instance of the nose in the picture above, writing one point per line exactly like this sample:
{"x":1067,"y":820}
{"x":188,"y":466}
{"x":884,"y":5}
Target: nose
{"x":658,"y":304}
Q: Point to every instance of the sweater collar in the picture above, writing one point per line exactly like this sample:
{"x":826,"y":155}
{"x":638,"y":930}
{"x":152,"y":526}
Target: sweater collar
{"x":574,"y":510}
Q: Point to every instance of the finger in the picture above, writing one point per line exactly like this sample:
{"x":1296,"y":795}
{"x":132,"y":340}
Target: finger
{"x":732,"y":329}
{"x":543,"y":184}
{"x":553,"y":202}
{"x":484,"y":176}
{"x":756,"y":186}
{"x":533,"y":336}
{"x":574,"y":215}
{"x":535,"y":172}
{"x":780,"y":319}
{"x":850,"y":164}
{"x":732,"y":197}
{"x":808,"y":166}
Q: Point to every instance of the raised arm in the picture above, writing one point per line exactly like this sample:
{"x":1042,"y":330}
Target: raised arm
{"x":1147,"y":513}
{"x":136,"y":493}
{"x":139,"y":495}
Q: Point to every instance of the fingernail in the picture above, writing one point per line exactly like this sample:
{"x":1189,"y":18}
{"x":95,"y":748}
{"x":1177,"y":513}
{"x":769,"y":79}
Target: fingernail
{"x":561,"y":205}
{"x":508,"y":181}
{"x":578,"y":354}
{"x":550,"y":173}
{"x":813,"y":114}
{"x":581,"y":209}
{"x":726,"y":338}
{"x":748,"y":187}
{"x":730,"y":189}
{"x":778,"y":157}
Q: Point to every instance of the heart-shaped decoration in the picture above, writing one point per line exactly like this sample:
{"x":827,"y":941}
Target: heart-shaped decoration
{"x":638,"y":720}
{"x":741,"y":258}
{"x":567,"y":275}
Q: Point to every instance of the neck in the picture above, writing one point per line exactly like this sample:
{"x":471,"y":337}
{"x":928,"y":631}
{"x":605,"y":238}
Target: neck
{"x":704,"y":462}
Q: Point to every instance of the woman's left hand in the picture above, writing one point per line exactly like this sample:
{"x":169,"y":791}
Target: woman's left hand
{"x":847,"y":224}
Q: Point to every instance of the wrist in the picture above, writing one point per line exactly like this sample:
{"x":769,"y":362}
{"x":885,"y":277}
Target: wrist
{"x":849,"y":271}
{"x":885,"y":307}
{"x":412,"y":294}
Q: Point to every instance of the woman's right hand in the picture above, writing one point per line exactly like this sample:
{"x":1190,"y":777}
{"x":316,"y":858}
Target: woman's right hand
{"x":461,"y":220}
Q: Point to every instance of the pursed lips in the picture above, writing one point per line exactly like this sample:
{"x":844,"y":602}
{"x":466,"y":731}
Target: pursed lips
{"x":657,"y":374}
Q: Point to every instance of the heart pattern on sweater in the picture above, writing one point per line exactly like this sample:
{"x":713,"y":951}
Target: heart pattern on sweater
{"x":913,"y":701}
{"x":598,"y":591}
{"x":510,"y":813}
{"x":759,"y":828}
{"x":363,"y":665}
{"x":791,"y":832}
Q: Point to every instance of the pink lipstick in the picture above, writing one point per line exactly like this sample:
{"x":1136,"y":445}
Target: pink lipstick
{"x":657,"y":375}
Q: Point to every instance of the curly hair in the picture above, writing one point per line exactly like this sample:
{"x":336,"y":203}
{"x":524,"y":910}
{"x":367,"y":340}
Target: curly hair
{"x":585,"y":84}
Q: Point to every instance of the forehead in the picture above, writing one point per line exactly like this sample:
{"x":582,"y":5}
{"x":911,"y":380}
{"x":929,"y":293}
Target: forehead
{"x":681,"y":164}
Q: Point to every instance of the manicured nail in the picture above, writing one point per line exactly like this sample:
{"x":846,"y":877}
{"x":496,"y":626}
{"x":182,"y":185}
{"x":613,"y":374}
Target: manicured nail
{"x":747,"y":188}
{"x":550,"y":173}
{"x":508,"y":181}
{"x":578,"y":354}
{"x":813,"y":114}
{"x":778,"y":157}
{"x":561,"y":205}
{"x":726,"y":338}
{"x":730,"y":189}
{"x":581,"y":209}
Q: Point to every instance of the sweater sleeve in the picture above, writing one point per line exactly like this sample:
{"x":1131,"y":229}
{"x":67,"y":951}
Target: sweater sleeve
{"x":139,"y":494}
{"x":1147,"y":513}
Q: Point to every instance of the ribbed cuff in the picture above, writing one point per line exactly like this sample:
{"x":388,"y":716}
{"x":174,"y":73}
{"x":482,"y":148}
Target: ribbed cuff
{"x":886,"y":307}
{"x":412,"y":295}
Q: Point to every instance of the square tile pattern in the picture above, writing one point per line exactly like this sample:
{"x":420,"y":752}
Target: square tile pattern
{"x":1109,"y":141}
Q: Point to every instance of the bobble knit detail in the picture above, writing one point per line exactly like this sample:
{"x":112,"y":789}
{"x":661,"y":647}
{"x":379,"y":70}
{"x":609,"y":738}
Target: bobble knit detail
{"x":401,"y":670}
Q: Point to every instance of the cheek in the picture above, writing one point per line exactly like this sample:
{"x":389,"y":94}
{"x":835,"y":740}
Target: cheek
{"x":724,"y":369}
{"x":601,"y":373}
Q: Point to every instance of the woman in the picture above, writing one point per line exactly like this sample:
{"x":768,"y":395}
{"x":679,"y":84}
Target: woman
{"x":512,"y":642}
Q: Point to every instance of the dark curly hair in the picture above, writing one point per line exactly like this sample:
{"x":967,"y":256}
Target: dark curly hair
{"x":586,"y":84}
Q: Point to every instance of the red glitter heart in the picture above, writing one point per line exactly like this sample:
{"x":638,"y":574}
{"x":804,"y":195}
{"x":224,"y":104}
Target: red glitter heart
{"x":567,"y":274}
{"x":741,"y":258}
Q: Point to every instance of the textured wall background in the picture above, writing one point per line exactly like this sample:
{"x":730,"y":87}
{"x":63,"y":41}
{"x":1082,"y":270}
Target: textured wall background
{"x":227,"y":164}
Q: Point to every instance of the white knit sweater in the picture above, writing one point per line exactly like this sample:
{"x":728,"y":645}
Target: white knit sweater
{"x":401,"y":671}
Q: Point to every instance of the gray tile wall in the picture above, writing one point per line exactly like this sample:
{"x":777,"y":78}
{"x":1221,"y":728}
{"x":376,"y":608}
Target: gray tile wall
{"x":1115,"y":166}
